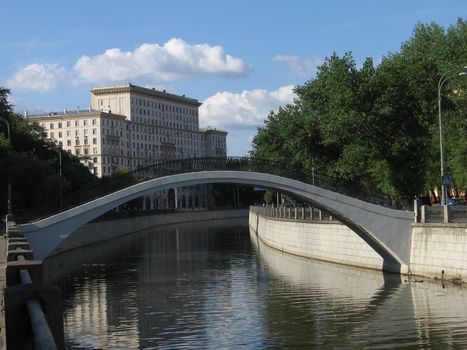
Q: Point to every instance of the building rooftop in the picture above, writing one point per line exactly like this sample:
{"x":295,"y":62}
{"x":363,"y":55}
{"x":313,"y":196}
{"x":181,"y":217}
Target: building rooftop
{"x":145,"y":91}
{"x":74,"y":114}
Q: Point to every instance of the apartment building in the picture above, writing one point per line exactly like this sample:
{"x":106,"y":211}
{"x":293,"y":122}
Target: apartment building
{"x":163,"y":125}
{"x":128,"y":126}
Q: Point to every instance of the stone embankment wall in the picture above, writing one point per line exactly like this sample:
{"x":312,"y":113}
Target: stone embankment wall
{"x":438,"y":250}
{"x":103,"y":230}
{"x":322,"y":240}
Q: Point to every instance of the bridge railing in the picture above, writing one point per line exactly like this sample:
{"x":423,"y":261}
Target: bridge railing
{"x":179,"y":166}
{"x":442,"y":214}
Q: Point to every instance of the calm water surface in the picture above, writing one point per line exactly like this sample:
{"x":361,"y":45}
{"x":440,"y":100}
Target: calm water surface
{"x":212,"y":286}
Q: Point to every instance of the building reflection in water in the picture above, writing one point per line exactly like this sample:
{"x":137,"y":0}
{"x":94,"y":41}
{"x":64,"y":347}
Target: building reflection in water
{"x":215,"y":286}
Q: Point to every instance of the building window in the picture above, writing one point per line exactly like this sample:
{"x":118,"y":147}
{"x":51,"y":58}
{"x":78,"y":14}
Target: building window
{"x":52,"y":135}
{"x":94,"y":131}
{"x":60,"y":134}
{"x":94,"y":150}
{"x":68,"y":133}
{"x":51,"y":125}
{"x":94,"y":141}
{"x":68,"y":123}
{"x":59,"y":125}
{"x":77,"y":142}
{"x":85,"y":122}
{"x":68,"y":143}
{"x":76,"y":133}
{"x":94,"y":122}
{"x":76,"y":122}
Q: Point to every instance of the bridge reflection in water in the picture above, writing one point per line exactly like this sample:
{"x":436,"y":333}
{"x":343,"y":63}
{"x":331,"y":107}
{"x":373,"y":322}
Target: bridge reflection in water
{"x":214,"y":286}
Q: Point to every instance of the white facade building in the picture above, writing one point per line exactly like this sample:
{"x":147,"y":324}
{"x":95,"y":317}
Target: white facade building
{"x":97,"y":138}
{"x":128,"y":126}
{"x":163,"y":126}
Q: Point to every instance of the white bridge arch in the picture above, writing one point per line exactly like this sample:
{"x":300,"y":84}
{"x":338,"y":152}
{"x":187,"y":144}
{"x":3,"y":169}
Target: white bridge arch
{"x":387,"y":231}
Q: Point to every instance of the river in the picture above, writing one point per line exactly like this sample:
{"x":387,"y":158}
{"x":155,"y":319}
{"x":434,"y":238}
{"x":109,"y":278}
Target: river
{"x":215,"y":286}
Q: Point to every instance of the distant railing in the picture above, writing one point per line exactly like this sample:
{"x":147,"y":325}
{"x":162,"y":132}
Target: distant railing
{"x":296,"y":213}
{"x":180,"y":166}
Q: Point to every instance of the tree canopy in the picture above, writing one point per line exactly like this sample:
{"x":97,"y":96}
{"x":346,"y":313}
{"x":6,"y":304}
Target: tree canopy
{"x":33,"y":168}
{"x":375,"y":128}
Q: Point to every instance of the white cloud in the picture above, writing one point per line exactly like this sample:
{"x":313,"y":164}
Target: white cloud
{"x":248,"y":109}
{"x":302,"y":67}
{"x":38,"y":77}
{"x":174,"y":60}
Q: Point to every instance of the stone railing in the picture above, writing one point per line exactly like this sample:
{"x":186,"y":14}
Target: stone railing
{"x":441,"y":214}
{"x":288,"y":213}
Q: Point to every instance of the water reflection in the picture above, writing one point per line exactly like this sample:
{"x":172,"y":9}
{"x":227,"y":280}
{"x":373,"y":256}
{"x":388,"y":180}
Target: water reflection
{"x":211,"y":286}
{"x":344,"y":307}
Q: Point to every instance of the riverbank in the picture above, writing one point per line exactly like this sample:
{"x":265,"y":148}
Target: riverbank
{"x":438,"y":251}
{"x":327,"y":240}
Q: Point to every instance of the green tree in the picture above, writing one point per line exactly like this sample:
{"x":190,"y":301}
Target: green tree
{"x":33,"y":169}
{"x":375,"y":129}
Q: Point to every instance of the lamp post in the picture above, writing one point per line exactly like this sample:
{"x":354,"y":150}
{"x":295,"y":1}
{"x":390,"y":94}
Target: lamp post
{"x":9,"y":206}
{"x":445,"y":77}
{"x":59,"y":172}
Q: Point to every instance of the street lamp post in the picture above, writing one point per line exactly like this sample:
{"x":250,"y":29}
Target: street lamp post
{"x":59,"y":172}
{"x":445,"y":77}
{"x":9,"y":206}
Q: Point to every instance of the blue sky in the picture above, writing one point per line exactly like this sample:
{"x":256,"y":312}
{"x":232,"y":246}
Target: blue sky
{"x":240,"y":58}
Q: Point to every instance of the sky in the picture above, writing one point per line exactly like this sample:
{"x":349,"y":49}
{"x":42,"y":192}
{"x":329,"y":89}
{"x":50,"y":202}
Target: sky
{"x":241,"y":59}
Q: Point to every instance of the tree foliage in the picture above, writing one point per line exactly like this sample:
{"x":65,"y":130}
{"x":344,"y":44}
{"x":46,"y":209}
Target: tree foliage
{"x":375,"y":128}
{"x":33,"y":168}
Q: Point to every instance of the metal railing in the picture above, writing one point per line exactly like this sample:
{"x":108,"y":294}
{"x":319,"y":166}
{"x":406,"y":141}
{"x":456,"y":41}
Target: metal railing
{"x":172,"y":167}
{"x":296,"y":214}
{"x":43,"y":338}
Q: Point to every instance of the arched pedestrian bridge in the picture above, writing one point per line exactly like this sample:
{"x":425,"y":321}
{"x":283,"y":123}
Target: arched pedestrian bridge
{"x":386,"y":230}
